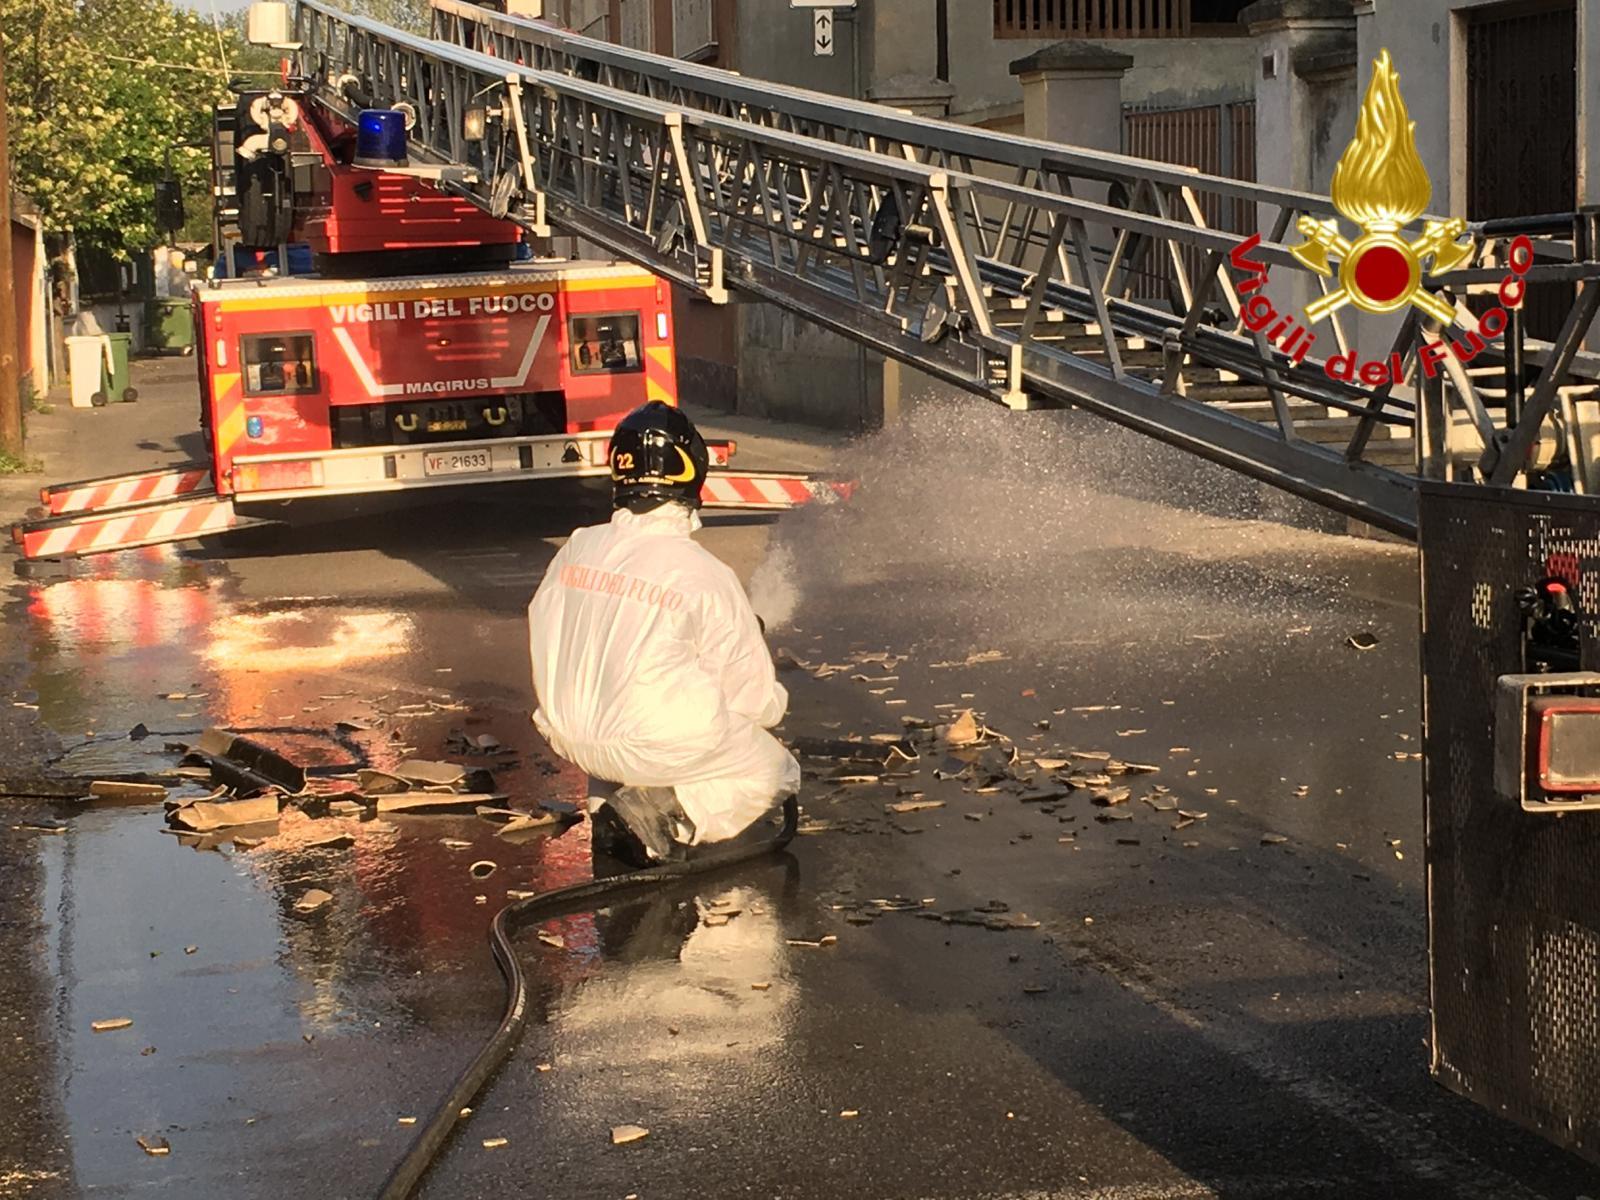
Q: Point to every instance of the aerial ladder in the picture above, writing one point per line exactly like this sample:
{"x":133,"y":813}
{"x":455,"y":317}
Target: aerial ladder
{"x":992,"y":262}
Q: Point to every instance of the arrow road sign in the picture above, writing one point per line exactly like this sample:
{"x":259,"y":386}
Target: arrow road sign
{"x":822,"y":32}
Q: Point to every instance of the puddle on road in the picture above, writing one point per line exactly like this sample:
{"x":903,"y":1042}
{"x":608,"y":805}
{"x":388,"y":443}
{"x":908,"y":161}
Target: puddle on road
{"x":238,"y":1029}
{"x":241,"y":1029}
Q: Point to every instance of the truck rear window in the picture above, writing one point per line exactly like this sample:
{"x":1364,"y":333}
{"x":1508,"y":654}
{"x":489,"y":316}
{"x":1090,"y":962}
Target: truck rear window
{"x":605,"y":342}
{"x":278,"y":364}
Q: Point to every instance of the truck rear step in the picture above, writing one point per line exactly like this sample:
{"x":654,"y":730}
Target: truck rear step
{"x":120,"y":491}
{"x":170,"y":520}
{"x":769,"y":490}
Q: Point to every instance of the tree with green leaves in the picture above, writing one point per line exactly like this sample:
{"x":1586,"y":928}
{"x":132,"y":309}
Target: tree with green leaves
{"x":103,"y":95}
{"x":107,"y":96}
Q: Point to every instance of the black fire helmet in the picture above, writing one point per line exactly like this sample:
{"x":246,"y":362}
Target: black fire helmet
{"x":657,"y":455}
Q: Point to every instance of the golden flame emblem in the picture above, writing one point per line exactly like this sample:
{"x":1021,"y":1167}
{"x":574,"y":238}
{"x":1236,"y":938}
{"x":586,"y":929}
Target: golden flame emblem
{"x":1381,"y":185}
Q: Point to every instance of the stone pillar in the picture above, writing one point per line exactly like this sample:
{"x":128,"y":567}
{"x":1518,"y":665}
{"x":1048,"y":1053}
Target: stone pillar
{"x":1072,"y":93}
{"x":1296,"y":41}
{"x":1306,"y":100}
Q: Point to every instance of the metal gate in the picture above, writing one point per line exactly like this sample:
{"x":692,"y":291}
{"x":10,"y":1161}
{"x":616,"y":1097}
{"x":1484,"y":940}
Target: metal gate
{"x":1522,"y":126}
{"x":1513,"y":896}
{"x":1219,"y":139}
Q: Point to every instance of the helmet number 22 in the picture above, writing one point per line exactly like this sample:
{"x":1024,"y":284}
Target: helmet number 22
{"x":624,"y":461}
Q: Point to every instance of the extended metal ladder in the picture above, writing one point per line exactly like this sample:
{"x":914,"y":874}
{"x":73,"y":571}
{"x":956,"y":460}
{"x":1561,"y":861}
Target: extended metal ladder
{"x":990,"y":261}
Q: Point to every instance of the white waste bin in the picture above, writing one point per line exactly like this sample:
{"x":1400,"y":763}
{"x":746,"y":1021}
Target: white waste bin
{"x":86,"y":365}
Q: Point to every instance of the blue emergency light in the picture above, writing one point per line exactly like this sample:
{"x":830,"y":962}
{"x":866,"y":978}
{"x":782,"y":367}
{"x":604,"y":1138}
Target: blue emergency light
{"x":381,"y":138}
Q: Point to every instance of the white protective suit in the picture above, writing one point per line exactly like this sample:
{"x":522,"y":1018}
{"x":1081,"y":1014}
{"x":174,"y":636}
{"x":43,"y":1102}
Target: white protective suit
{"x":651,"y":671}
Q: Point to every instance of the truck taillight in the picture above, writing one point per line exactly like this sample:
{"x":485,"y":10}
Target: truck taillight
{"x":277,"y":476}
{"x":661,"y":326}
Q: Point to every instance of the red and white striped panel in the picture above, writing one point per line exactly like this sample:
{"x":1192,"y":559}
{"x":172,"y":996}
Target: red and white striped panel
{"x":122,"y":490}
{"x":122,"y":531}
{"x":750,"y":489}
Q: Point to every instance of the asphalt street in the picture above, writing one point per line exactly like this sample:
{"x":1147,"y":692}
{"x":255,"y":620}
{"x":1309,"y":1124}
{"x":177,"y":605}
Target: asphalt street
{"x":1216,"y":988}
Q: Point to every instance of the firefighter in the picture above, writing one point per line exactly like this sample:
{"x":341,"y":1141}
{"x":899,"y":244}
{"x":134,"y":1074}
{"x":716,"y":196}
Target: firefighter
{"x":649,"y":665}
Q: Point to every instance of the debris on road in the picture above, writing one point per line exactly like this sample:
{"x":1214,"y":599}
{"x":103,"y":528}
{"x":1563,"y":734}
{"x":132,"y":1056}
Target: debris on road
{"x":201,"y":816}
{"x":431,"y":774}
{"x":911,"y":806}
{"x":1044,"y":795}
{"x":554,"y":940}
{"x":972,"y":660}
{"x":1365,"y":640}
{"x":41,"y":825}
{"x":493,"y":1143}
{"x":311,"y":900}
{"x":333,"y":839}
{"x":156,"y":1147}
{"x":1273,"y":839}
{"x":422,"y":802}
{"x":139,"y":793}
{"x":996,"y":915}
{"x":482,"y":869}
{"x":245,"y":766}
{"x":827,"y":939}
{"x":110,"y":1023}
{"x":517,"y":826}
{"x":963,"y":731}
{"x":622,"y":1135}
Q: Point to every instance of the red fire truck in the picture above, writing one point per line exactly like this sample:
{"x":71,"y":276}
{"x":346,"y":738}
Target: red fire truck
{"x":323,"y":387}
{"x":419,"y":355}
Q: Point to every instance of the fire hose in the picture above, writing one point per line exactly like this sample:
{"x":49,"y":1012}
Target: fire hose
{"x":432,"y":1137}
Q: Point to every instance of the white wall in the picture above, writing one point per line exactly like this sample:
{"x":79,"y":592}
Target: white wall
{"x":1427,"y":38}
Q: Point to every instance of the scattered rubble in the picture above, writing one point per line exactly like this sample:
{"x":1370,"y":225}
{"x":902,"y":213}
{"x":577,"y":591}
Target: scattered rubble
{"x":110,"y":1023}
{"x":156,"y":1147}
{"x":311,"y":900}
{"x":138,"y":793}
{"x":201,"y":816}
{"x":963,"y":731}
{"x":431,"y":801}
{"x":622,"y":1135}
{"x":911,"y":806}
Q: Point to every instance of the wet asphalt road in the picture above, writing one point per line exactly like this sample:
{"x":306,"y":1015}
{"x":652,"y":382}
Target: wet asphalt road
{"x":1205,"y":1011}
